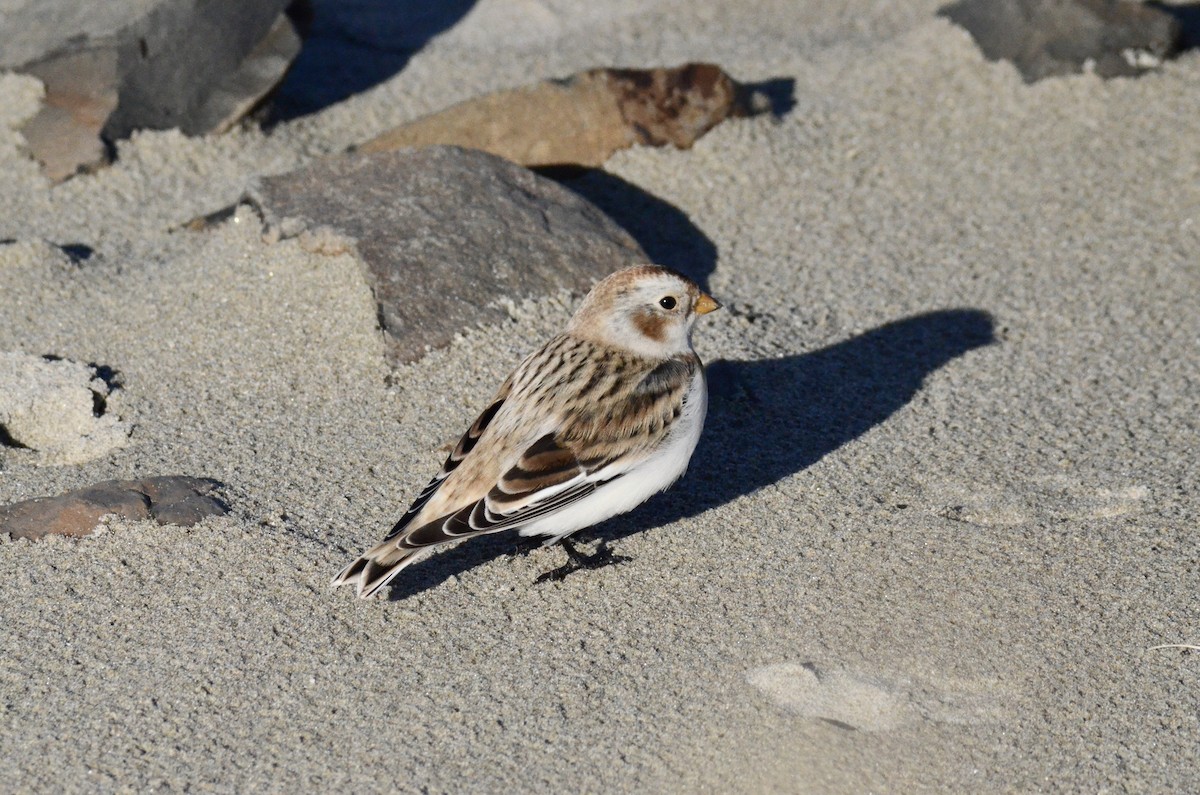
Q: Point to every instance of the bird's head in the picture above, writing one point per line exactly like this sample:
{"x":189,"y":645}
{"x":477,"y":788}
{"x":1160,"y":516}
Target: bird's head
{"x":647,"y":310}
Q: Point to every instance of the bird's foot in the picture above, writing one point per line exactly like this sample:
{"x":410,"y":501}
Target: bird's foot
{"x":603,"y":556}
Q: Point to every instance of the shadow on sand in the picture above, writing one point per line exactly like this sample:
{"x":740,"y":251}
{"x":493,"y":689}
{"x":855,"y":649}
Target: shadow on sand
{"x":353,"y":45}
{"x":663,"y":231}
{"x":769,"y":419}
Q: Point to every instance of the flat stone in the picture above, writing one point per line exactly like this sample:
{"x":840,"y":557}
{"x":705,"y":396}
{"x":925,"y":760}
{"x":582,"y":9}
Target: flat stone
{"x":446,"y":235}
{"x":110,"y":68}
{"x":585,"y":118}
{"x":172,"y":499}
{"x":1048,"y":38}
{"x":81,"y":93}
{"x":57,"y":408}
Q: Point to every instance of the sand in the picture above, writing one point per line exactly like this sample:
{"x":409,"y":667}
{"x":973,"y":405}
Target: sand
{"x":905,"y":557}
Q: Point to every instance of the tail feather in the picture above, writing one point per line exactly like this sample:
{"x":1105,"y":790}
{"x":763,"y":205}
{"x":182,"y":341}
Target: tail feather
{"x":377,"y":567}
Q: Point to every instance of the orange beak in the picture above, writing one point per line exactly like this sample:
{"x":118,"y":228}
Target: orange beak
{"x":705,"y":304}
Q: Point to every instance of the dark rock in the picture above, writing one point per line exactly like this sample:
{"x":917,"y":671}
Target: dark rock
{"x":110,"y":68}
{"x":1047,"y":38}
{"x":240,"y":91}
{"x":173,"y":499}
{"x":446,"y":235}
{"x":583,"y":119}
{"x":676,"y":106}
{"x":180,"y":500}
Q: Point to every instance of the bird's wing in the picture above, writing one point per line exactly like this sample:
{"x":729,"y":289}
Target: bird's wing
{"x":563,"y":467}
{"x":548,"y":477}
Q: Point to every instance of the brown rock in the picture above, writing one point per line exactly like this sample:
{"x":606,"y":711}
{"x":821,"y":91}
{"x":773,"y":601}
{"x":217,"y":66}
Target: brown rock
{"x":81,"y":93}
{"x":584,"y":119}
{"x":168,"y":500}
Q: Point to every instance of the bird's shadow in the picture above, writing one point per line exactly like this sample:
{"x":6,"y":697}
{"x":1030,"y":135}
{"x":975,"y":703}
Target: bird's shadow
{"x":769,"y":419}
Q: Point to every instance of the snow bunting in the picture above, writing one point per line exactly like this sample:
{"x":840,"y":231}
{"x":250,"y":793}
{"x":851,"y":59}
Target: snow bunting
{"x":591,"y":425}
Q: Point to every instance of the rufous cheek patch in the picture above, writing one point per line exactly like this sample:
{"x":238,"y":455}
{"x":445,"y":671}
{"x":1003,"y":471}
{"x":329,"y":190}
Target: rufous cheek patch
{"x":651,"y":325}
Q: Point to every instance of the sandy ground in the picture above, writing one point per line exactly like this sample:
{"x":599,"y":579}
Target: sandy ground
{"x":945,"y":504}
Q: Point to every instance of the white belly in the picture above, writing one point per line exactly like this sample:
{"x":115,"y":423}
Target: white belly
{"x":638,"y":484}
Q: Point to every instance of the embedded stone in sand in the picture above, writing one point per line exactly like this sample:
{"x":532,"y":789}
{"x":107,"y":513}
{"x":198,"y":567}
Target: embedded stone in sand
{"x":117,"y":66}
{"x":1048,"y":38}
{"x":173,"y":499}
{"x":585,"y":118}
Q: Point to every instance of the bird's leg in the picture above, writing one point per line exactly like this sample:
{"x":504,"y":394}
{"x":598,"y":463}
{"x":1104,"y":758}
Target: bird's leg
{"x":525,"y":545}
{"x":603,"y":556}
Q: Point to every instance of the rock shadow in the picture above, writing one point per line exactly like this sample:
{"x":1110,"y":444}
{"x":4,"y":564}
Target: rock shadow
{"x":767,"y":420}
{"x":780,"y":92}
{"x":663,"y":231}
{"x":353,"y":45}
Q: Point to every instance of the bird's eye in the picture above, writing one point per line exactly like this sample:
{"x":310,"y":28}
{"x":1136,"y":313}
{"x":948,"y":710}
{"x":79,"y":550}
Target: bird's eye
{"x":667,"y":302}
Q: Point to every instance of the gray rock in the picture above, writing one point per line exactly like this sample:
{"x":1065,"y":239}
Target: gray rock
{"x":446,"y":235}
{"x":113,"y":67}
{"x":1047,"y":38}
{"x":33,"y":29}
{"x":57,"y":408}
{"x":240,"y":91}
{"x":173,"y":499}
